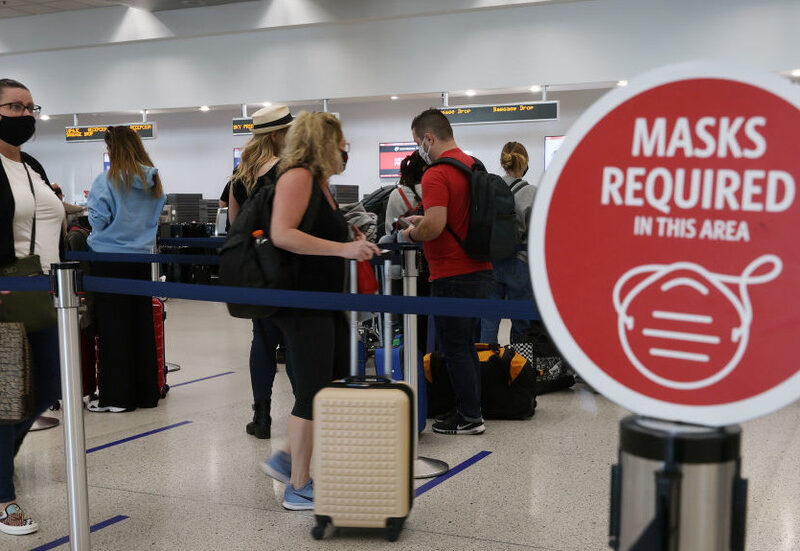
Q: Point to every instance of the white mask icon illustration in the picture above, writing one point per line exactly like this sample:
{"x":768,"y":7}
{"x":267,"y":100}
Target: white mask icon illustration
{"x":681,"y":325}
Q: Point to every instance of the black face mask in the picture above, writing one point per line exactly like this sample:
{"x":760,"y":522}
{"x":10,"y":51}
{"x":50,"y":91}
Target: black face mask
{"x":345,"y":156}
{"x":17,"y":130}
{"x":524,"y":172}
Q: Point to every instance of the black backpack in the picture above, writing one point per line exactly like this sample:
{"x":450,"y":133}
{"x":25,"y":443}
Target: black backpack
{"x":376,"y":203}
{"x":254,"y":261}
{"x":491,"y":234}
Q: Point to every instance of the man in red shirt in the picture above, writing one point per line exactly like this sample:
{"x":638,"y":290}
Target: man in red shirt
{"x":446,"y":199}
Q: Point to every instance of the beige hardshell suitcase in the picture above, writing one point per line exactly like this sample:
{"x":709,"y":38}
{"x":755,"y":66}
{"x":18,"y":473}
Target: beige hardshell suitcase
{"x":363,"y":455}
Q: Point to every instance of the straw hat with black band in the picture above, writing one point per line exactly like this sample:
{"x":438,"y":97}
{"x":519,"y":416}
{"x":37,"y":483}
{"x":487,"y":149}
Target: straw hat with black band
{"x":272,"y":118}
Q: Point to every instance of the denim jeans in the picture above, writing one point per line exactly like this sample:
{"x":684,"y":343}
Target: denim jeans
{"x":47,"y":391}
{"x":512,"y":282}
{"x":455,"y":337}
{"x":266,"y":337}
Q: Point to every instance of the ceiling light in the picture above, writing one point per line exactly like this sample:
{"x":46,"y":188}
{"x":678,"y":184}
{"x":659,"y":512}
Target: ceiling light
{"x":205,"y":108}
{"x":795,"y":73}
{"x":535,"y":88}
{"x":267,"y":104}
{"x":622,"y":83}
{"x":45,"y":117}
{"x":395,"y":97}
{"x":470,"y":93}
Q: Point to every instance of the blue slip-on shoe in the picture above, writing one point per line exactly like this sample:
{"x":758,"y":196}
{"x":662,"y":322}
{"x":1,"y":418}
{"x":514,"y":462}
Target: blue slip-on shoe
{"x":278,"y":466}
{"x":301,"y":499}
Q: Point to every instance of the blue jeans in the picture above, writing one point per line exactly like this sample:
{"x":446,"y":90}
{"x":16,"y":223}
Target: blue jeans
{"x":455,"y":337}
{"x":47,"y":391}
{"x":512,"y":282}
{"x":266,"y":337}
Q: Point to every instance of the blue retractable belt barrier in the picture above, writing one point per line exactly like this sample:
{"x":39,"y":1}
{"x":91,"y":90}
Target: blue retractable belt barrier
{"x":199,"y":242}
{"x":515,"y":309}
{"x":143,"y":258}
{"x":27,"y":283}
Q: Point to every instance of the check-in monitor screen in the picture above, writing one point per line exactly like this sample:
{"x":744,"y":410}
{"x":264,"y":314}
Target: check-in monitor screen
{"x":551,"y":145}
{"x":391,"y":155}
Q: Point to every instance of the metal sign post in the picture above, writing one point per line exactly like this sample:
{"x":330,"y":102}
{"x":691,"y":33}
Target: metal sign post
{"x":353,"y":321}
{"x":64,"y":285}
{"x":424,"y":467}
{"x":387,"y":321}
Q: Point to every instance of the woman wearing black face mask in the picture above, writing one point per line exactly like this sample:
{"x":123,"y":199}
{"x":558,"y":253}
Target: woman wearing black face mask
{"x":31,"y":217}
{"x":512,"y":276}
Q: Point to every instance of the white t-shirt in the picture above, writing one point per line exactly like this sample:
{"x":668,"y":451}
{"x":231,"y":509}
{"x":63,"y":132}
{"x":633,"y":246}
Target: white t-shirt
{"x":49,"y":213}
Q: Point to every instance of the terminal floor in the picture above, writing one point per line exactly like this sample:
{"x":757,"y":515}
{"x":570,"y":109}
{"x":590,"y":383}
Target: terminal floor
{"x":197,"y":486}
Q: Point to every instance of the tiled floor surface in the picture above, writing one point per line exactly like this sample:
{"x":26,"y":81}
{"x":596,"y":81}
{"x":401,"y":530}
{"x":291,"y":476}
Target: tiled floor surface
{"x":197,"y":486}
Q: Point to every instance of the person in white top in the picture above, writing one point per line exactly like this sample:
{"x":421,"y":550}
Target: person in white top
{"x":405,"y":200}
{"x":25,"y":191}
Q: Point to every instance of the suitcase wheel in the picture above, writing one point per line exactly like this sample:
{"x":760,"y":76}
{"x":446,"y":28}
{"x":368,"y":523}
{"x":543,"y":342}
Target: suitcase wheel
{"x":318,"y":532}
{"x":164,"y":390}
{"x":393,"y":528}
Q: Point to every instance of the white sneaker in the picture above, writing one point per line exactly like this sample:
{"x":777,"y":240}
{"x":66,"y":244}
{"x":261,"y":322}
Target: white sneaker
{"x":94,"y":405}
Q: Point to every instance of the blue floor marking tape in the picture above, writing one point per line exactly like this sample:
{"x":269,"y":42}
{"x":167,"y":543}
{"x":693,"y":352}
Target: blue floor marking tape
{"x":136,"y":437}
{"x":452,"y":472}
{"x":202,"y":379}
{"x":99,"y":526}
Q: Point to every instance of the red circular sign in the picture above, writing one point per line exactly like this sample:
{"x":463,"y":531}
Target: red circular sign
{"x":663,"y":244}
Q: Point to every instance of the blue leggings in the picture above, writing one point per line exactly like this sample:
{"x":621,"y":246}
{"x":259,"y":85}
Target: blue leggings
{"x":47,"y":391}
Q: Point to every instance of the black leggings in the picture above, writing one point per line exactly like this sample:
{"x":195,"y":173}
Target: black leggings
{"x":316,"y":341}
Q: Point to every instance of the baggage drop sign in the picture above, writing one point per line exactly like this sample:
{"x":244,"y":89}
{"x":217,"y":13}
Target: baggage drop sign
{"x":663,"y":244}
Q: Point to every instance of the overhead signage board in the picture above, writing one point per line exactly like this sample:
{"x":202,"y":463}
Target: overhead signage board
{"x":501,"y":113}
{"x":96,"y":133}
{"x":242,"y":126}
{"x":663,"y":244}
{"x":391,"y":154}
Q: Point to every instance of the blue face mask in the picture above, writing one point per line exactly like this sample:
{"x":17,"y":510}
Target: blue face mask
{"x":426,"y":155}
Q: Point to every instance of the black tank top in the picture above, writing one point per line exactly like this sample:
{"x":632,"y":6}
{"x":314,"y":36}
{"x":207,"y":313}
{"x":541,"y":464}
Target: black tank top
{"x":323,"y":273}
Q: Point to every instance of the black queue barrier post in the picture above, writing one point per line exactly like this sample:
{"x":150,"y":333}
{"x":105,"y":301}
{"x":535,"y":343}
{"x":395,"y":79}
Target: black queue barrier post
{"x":424,"y":467}
{"x":677,"y":487}
{"x":65,"y":284}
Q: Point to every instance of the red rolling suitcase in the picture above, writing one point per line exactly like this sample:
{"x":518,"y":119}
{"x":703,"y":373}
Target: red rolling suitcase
{"x":159,"y":315}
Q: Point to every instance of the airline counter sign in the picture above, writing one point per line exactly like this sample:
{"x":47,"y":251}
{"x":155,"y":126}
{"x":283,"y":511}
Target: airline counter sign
{"x":242,"y":126}
{"x":502,"y":113}
{"x":663,"y":244}
{"x":96,"y":133}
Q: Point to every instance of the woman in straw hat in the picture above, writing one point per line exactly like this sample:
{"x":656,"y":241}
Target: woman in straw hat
{"x":259,"y":165}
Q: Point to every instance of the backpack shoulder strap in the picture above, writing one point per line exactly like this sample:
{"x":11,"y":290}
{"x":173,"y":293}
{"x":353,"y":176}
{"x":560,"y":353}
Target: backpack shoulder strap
{"x":517,"y":185}
{"x":452,"y":162}
{"x":403,"y":196}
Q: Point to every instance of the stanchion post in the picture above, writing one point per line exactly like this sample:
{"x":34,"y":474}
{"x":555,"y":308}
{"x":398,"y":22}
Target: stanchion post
{"x":64,"y":285}
{"x":353,"y":321}
{"x":387,"y":321}
{"x":424,"y":467}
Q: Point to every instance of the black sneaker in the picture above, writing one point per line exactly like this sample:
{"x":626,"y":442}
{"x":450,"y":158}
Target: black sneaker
{"x":456,"y":424}
{"x":444,"y":416}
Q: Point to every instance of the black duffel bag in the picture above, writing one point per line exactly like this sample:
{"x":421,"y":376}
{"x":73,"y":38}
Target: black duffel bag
{"x":508,"y":384}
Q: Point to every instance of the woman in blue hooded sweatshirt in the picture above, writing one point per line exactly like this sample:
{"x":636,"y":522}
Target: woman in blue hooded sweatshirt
{"x":124,"y":207}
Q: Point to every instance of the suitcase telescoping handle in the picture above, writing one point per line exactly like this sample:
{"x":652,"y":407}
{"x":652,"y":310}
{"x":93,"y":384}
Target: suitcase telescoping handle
{"x":365,"y":379}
